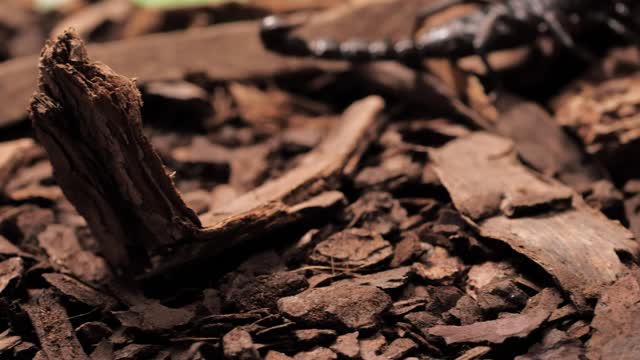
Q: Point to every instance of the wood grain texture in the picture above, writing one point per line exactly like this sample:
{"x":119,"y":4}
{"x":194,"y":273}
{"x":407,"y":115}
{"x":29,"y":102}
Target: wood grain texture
{"x":534,"y":215}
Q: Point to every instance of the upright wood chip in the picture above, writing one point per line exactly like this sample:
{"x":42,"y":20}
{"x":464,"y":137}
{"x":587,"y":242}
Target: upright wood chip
{"x":88,"y":118}
{"x":536,"y":216}
{"x":51,"y":322}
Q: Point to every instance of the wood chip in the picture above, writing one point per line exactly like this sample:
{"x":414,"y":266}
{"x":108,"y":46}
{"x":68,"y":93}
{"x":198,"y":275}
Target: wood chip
{"x":541,"y":143}
{"x":353,"y":248}
{"x":345,"y":307}
{"x":604,"y":115}
{"x":347,"y":345}
{"x":237,"y":344}
{"x":616,"y":322}
{"x":575,"y":244}
{"x":12,"y":154}
{"x":51,"y":322}
{"x":497,"y":331}
{"x":65,"y":253}
{"x":79,"y":291}
{"x":10,"y":271}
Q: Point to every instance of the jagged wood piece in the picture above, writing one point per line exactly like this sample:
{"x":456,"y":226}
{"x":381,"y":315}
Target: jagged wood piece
{"x":52,"y":325}
{"x":536,"y":216}
{"x":88,"y":119}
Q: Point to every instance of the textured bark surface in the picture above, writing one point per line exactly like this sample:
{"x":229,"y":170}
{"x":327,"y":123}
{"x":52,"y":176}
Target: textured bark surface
{"x":536,"y":216}
{"x":88,"y":118}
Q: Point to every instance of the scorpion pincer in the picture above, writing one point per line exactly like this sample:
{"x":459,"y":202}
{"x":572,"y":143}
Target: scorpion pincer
{"x":494,"y":26}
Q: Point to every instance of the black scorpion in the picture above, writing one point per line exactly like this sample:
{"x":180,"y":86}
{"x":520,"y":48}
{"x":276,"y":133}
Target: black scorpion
{"x":495,"y":26}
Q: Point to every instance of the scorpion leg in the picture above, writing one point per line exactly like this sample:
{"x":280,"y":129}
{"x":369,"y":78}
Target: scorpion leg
{"x":622,"y":30}
{"x":560,"y":34}
{"x":431,"y":10}
{"x":484,"y":37}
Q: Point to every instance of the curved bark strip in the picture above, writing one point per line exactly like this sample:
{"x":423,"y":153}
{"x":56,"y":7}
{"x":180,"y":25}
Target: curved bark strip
{"x":536,"y":216}
{"x":88,"y":119}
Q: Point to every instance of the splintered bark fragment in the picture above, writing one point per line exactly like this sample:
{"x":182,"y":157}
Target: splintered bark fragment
{"x":497,"y":331}
{"x":534,"y":215}
{"x":51,"y":322}
{"x":88,"y":119}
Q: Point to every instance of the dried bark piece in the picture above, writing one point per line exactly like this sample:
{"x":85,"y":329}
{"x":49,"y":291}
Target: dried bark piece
{"x":319,"y":353}
{"x":352,"y":307}
{"x":498,"y":183}
{"x":616,"y":322}
{"x":51,"y":322}
{"x":486,"y":273}
{"x":67,"y":73}
{"x":371,"y":347}
{"x":264,"y":291}
{"x":151,"y":316}
{"x":352,"y":248}
{"x":555,"y":345}
{"x":237,"y":344}
{"x":605,"y":117}
{"x":409,"y":248}
{"x":576,"y":245}
{"x":8,"y":248}
{"x":7,"y":342}
{"x":475,"y":353}
{"x":497,"y":331}
{"x":93,"y":332}
{"x":130,"y":203}
{"x":65,"y":253}
{"x":347,"y":345}
{"x":308,"y":337}
{"x":385,"y":280}
{"x":12,"y":155}
{"x":10,"y":271}
{"x":80,"y":291}
{"x":542,"y":143}
{"x":437,"y":265}
{"x":393,"y":172}
{"x":136,"y":352}
{"x":377,"y":212}
{"x":275,"y":355}
{"x":399,"y":349}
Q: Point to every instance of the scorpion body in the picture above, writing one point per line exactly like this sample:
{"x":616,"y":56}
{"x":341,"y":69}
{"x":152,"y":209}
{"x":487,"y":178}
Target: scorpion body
{"x":495,"y":26}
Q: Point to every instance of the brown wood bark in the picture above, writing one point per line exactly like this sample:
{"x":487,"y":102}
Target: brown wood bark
{"x":51,"y":322}
{"x":88,"y":119}
{"x":166,"y":56}
{"x":536,"y":216}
